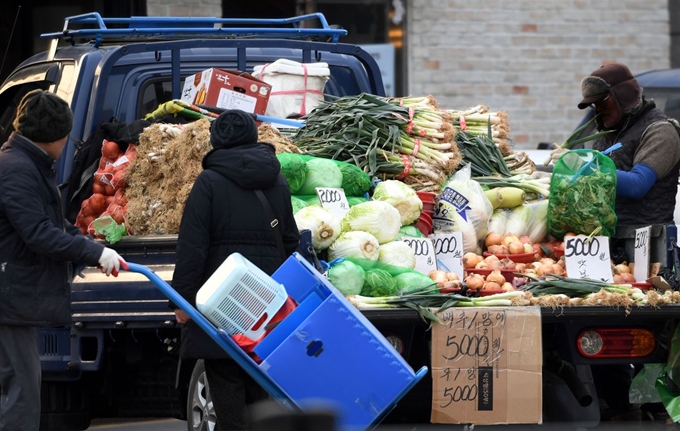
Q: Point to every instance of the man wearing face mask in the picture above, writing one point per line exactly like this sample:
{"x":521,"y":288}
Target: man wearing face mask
{"x":648,"y":163}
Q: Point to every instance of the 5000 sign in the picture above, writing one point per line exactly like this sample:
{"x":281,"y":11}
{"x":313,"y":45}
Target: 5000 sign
{"x":581,"y":247}
{"x":469,"y":345}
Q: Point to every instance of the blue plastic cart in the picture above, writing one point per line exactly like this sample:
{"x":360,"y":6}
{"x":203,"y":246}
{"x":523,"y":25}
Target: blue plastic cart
{"x":325,"y":352}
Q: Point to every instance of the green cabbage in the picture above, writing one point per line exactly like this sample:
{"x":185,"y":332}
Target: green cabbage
{"x":378,"y":218}
{"x":409,"y":230}
{"x":379,"y":282}
{"x":354,"y":200}
{"x":320,"y":173}
{"x":355,"y":182}
{"x":347,"y":277}
{"x":298,"y":204}
{"x":397,"y":253}
{"x":413,"y":280}
{"x":294,"y":168}
{"x":354,"y":244}
{"x":401,"y":196}
{"x":325,"y":226}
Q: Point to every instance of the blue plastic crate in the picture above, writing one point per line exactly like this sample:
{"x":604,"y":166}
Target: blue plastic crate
{"x":327,"y":351}
{"x":324,"y":353}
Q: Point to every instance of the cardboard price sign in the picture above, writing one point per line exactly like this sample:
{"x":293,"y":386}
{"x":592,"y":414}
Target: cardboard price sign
{"x":333,"y":199}
{"x":448,"y":248}
{"x":588,"y":258}
{"x":486,"y":366}
{"x":641,"y":254}
{"x":426,"y":259}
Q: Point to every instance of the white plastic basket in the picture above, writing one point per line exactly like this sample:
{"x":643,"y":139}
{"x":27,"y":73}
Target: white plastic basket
{"x":240,"y":298}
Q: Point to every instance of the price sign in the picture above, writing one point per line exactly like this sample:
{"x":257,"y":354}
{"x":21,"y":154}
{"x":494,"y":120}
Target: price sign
{"x":641,"y":257}
{"x":448,"y":247}
{"x":333,"y":199}
{"x":482,"y":357}
{"x":588,"y":258}
{"x":426,"y":259}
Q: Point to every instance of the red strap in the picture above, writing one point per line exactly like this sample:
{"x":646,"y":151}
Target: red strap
{"x":463,"y":124}
{"x":416,"y":146}
{"x":407,"y":167}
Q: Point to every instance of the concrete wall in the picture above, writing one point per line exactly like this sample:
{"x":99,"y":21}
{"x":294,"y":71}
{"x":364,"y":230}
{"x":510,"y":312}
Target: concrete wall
{"x":527,"y":57}
{"x":184,"y":8}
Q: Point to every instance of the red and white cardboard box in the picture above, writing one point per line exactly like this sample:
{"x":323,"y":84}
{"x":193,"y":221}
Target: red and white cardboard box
{"x":227,"y":89}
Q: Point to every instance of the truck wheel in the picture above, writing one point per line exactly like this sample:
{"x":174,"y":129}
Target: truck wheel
{"x":65,"y":407}
{"x":200,"y":410}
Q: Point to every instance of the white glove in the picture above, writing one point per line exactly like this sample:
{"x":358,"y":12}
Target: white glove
{"x":555,"y":154}
{"x":110,"y":261}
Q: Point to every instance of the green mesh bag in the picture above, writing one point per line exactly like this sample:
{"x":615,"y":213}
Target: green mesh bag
{"x":582,"y":194}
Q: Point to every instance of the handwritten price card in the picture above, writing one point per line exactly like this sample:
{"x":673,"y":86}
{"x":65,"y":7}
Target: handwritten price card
{"x":448,"y":248}
{"x":486,"y":366}
{"x":641,"y":254}
{"x":426,"y":259}
{"x":586,"y":258}
{"x":333,"y":199}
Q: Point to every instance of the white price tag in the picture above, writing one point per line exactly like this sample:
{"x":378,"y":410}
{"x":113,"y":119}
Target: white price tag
{"x":588,"y":258}
{"x":426,"y":260}
{"x":641,"y":257}
{"x":333,"y":199}
{"x":448,"y":248}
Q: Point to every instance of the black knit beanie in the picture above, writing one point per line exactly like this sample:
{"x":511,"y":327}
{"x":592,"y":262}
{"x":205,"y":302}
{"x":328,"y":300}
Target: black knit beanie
{"x":233,"y":128}
{"x":43,"y":117}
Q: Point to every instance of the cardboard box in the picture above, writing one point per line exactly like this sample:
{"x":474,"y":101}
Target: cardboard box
{"x":486,"y":366}
{"x":227,"y":89}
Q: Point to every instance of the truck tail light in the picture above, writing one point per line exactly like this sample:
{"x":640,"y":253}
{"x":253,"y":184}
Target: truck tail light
{"x":616,"y":343}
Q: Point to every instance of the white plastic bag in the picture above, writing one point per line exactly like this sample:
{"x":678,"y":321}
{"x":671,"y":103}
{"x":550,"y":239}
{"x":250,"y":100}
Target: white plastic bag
{"x":297,"y":88}
{"x":463,"y":207}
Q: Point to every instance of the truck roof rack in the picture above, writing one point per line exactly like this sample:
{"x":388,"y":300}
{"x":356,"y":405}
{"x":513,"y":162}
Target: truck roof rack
{"x":165,"y":27}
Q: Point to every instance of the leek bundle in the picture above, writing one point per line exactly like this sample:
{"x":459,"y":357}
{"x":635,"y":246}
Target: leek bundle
{"x":478,"y":120}
{"x":393,"y":138}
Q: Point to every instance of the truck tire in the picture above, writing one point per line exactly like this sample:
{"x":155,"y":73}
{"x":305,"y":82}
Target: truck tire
{"x":64,"y":406}
{"x":200,"y":410}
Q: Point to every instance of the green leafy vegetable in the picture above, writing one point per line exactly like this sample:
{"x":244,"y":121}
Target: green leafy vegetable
{"x":379,"y":282}
{"x":298,"y":203}
{"x":323,"y":224}
{"x":585,"y":202}
{"x":294,"y":169}
{"x":401,"y":196}
{"x":347,"y":277}
{"x":378,"y":218}
{"x":355,"y":182}
{"x":320,"y":173}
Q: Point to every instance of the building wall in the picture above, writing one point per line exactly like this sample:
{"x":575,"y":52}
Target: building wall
{"x":527,"y":57}
{"x":184,"y":8}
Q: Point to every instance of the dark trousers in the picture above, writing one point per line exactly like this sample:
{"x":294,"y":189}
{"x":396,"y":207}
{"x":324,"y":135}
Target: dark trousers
{"x":232,"y":390}
{"x":20,"y":378}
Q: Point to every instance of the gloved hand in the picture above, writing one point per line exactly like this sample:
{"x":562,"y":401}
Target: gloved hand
{"x":555,"y":154}
{"x":110,"y":262}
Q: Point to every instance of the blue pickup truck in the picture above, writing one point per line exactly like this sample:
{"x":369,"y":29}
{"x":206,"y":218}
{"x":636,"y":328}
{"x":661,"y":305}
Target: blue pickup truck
{"x":119,"y":357}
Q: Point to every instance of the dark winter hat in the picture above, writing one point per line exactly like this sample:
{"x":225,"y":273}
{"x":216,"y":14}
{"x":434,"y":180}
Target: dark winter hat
{"x":616,"y":79}
{"x":43,"y":117}
{"x":233,"y":128}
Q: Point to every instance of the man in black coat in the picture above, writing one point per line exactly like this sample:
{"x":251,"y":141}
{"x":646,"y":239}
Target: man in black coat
{"x":37,"y":248}
{"x":223,"y":215}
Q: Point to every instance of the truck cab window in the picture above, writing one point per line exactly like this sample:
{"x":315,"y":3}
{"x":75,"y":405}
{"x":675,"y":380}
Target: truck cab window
{"x":154,"y":94}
